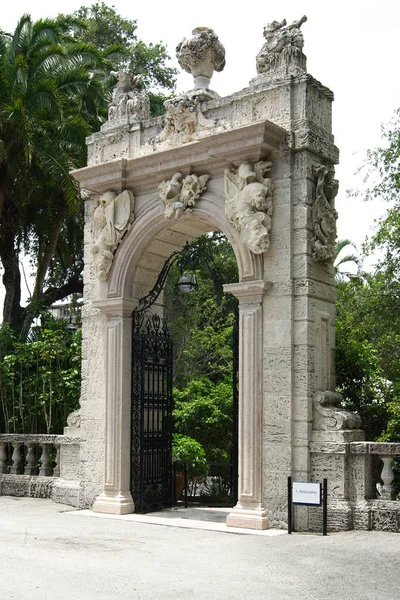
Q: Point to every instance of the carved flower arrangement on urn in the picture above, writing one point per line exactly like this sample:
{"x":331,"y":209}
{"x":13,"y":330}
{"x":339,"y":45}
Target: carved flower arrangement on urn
{"x":201,"y":55}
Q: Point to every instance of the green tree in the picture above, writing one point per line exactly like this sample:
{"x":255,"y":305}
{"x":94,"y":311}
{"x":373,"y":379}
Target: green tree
{"x":49,"y":84}
{"x":361,"y":375}
{"x":201,"y":324}
{"x":344,"y":257}
{"x":106,"y":29}
{"x":55,"y":87}
{"x":203,"y":411}
{"x":368,"y":310}
{"x":201,"y":321}
{"x":39,"y":378}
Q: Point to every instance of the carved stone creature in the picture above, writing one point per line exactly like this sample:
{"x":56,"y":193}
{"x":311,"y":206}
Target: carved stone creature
{"x":248,"y":205}
{"x":283,"y":47}
{"x":330,"y":416}
{"x":184,"y":118}
{"x":324,"y":214}
{"x":201,"y":55}
{"x":129,"y":99}
{"x":74,"y":419}
{"x":180,"y":195}
{"x":113,"y":217}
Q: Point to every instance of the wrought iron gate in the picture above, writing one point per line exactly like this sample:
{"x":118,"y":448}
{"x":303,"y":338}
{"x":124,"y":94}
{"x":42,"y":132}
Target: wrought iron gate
{"x":151,"y":459}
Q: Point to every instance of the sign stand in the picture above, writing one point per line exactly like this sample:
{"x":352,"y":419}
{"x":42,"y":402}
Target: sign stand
{"x":307,"y":494}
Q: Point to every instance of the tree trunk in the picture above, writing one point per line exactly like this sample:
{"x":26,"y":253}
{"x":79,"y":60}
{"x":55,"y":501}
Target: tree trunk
{"x":12,"y":311}
{"x":43,"y":264}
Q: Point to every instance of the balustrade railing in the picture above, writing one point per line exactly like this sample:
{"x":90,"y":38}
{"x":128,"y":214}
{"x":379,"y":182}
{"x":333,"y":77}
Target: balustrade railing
{"x":29,"y":454}
{"x":387,"y":452}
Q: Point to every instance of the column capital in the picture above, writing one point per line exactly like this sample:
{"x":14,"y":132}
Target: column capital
{"x":248,"y":292}
{"x":116,"y":307}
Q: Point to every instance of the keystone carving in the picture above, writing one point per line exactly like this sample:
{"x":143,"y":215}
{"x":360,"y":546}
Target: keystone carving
{"x":179,"y":196}
{"x":112,"y":217}
{"x":248,"y":204}
{"x":282,"y":52}
{"x":201,"y":55}
{"x":128,"y":98}
{"x":329,"y":416}
{"x":324,"y":214}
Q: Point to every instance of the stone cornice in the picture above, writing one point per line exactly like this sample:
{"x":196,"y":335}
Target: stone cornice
{"x":211,"y":154}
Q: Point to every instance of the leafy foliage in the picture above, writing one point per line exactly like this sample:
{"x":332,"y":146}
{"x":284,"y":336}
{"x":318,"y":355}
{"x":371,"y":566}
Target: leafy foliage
{"x":50,"y":92}
{"x":368,"y":310}
{"x":201,"y":322}
{"x":55,"y":86}
{"x":360,"y":372}
{"x":108,"y":31}
{"x":344,"y":257}
{"x":187,"y":450}
{"x":203,"y":410}
{"x":39,"y":379}
{"x":382,"y":167}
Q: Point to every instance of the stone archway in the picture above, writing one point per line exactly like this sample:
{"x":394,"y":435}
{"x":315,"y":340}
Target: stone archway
{"x":290,"y":422}
{"x":136,"y":266}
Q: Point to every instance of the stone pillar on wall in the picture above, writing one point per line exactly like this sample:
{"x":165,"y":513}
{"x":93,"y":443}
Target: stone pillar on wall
{"x":116,"y":496}
{"x":250,"y":511}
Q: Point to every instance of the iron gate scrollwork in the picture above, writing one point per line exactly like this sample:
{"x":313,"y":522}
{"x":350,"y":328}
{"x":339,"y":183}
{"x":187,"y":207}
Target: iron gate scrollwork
{"x":151,"y":446}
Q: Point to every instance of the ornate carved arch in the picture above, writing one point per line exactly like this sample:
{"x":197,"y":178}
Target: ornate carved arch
{"x":151,"y":221}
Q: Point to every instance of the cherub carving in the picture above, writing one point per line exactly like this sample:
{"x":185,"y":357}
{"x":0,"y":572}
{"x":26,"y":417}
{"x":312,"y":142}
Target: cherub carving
{"x":113,"y":217}
{"x":324,"y":214}
{"x":179,"y":195}
{"x":128,"y":98}
{"x":248,"y":203}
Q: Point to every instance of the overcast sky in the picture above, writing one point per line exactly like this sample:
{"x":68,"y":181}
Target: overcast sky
{"x":352,"y":47}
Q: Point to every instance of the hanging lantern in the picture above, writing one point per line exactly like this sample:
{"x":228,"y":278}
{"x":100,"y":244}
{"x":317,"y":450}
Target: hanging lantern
{"x":187,"y":282}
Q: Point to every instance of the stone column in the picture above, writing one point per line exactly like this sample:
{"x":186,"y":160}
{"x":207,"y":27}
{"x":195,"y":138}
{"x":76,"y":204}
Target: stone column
{"x":116,"y":496}
{"x":249,"y":511}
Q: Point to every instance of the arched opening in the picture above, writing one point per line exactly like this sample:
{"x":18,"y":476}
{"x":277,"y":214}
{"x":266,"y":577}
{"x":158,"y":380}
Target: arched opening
{"x":136,"y":266}
{"x":184,"y":380}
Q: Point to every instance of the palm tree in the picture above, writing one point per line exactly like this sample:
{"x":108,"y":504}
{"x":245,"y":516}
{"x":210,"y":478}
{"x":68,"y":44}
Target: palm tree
{"x":50,"y":87}
{"x":345,"y":257}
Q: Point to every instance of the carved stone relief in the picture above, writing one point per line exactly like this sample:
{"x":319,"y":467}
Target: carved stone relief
{"x":129,"y":99}
{"x":184,"y":118}
{"x":324,"y":214}
{"x":248,"y":204}
{"x":112,"y":218}
{"x":330,"y":416}
{"x":282,"y":52}
{"x":179,"y":195}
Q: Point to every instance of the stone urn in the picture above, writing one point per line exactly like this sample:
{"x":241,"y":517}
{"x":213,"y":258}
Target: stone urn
{"x":201,"y":55}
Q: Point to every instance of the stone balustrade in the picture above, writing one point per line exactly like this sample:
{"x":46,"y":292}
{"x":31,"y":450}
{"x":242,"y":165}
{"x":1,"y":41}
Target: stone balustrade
{"x":387,"y":452}
{"x":41,"y":466}
{"x":30,"y":455}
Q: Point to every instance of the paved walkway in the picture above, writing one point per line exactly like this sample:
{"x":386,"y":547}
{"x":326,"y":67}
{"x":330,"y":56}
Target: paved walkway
{"x":52,"y":552}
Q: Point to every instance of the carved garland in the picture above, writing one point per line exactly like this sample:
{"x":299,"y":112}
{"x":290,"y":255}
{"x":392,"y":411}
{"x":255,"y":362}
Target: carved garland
{"x":324,"y":214}
{"x":179,"y":195}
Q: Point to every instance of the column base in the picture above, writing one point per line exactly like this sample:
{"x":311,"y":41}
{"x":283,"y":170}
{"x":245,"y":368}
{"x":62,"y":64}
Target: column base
{"x":248,"y":518}
{"x":114,"y":503}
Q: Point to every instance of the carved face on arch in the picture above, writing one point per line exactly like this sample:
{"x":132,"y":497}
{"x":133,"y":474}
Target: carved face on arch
{"x":255,"y":194}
